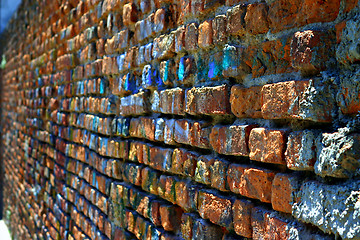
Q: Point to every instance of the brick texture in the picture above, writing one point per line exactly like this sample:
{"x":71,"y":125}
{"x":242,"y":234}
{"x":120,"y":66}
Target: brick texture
{"x":181,"y":119}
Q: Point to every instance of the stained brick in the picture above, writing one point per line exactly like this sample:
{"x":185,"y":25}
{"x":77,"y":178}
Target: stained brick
{"x":208,"y":100}
{"x":231,"y":140}
{"x":246,"y":102}
{"x":267,"y":145}
{"x":283,"y":191}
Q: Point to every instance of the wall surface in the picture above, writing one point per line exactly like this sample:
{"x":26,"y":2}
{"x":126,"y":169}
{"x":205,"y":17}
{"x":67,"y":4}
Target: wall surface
{"x":190,"y":119}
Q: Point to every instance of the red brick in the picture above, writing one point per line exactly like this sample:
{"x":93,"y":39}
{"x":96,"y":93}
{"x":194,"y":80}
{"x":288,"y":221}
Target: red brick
{"x":219,"y":29}
{"x":172,"y":101}
{"x":256,"y":20}
{"x":235,"y":20}
{"x":267,"y":145}
{"x":310,"y":51}
{"x":191,"y":37}
{"x":186,"y":195}
{"x":256,"y":183}
{"x":205,"y":34}
{"x":231,"y":140}
{"x":246,"y":102}
{"x":203,"y":169}
{"x":349,"y":5}
{"x":170,"y":217}
{"x":184,"y":162}
{"x":284,"y":14}
{"x":130,"y":14}
{"x":216,"y":208}
{"x":242,"y":217}
{"x":180,"y":39}
{"x":208,"y":100}
{"x":234,"y":176}
{"x":282,"y":101}
{"x":283,"y":192}
{"x":339,"y":30}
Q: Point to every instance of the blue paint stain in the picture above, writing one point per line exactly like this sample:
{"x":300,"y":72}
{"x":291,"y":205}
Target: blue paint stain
{"x":181,"y":70}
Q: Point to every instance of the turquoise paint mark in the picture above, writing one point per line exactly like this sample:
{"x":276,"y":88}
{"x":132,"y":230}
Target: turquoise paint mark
{"x":181,"y":71}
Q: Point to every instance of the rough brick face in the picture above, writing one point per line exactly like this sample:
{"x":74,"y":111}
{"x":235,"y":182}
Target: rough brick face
{"x":186,"y":119}
{"x":267,"y":145}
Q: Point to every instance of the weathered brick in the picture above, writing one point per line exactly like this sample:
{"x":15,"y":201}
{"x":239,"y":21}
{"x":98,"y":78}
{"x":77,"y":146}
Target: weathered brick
{"x":236,"y":20}
{"x":208,"y":100}
{"x":257,"y":183}
{"x":234,"y":176}
{"x":191,"y":37}
{"x":205,"y":34}
{"x":130,"y":14}
{"x":216,"y":208}
{"x":310,"y":51}
{"x":172,"y":101}
{"x":170,"y":217}
{"x":204,"y":230}
{"x":256,"y":20}
{"x":219,"y":29}
{"x":136,"y":104}
{"x":242,"y":217}
{"x":283,"y":191}
{"x":184,"y":162}
{"x":286,"y":100}
{"x":203,"y":169}
{"x":231,"y":140}
{"x":246,"y":102}
{"x":218,"y":174}
{"x":186,"y":195}
{"x":301,"y":151}
{"x":267,"y":145}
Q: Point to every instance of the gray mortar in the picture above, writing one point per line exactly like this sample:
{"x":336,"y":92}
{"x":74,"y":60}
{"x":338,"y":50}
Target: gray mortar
{"x":338,"y":154}
{"x":333,"y":208}
{"x":349,"y":48}
{"x":319,"y":96}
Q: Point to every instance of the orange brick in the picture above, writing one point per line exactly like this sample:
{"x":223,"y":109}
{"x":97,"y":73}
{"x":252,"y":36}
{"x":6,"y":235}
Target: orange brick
{"x":283,"y":192}
{"x":242,"y":217}
{"x":256,"y":20}
{"x":284,"y":14}
{"x":205,"y":34}
{"x":231,"y":140}
{"x":246,"y":102}
{"x":257,"y":183}
{"x":130,"y":14}
{"x":216,"y":208}
{"x":282,"y":101}
{"x":267,"y":145}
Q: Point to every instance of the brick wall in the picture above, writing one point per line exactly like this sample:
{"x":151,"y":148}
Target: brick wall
{"x":190,"y":119}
